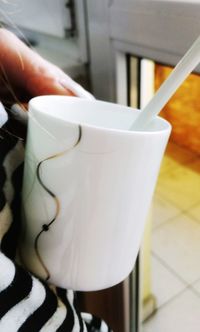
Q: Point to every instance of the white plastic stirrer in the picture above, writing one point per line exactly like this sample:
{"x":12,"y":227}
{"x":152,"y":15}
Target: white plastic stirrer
{"x":169,"y":87}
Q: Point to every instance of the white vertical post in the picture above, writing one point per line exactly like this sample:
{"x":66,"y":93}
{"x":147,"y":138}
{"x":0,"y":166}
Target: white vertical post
{"x":121,"y":78}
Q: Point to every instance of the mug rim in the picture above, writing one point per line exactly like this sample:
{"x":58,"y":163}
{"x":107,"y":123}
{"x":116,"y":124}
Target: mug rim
{"x":34,"y":107}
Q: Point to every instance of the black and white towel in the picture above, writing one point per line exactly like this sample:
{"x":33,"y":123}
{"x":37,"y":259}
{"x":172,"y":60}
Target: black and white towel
{"x":28,"y":304}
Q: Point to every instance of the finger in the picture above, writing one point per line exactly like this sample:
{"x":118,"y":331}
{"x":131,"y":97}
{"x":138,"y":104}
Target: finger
{"x":26,"y":70}
{"x":77,"y":89}
{"x":46,"y":78}
{"x":30,"y":73}
{"x":46,"y":85}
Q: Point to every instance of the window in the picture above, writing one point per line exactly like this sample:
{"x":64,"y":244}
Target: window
{"x":46,"y":16}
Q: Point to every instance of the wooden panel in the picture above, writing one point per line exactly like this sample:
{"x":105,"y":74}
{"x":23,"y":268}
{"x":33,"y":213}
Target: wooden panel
{"x":183,"y":110}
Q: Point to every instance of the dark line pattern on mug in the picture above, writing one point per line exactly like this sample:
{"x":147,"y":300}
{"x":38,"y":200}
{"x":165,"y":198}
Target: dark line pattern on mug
{"x":45,"y":227}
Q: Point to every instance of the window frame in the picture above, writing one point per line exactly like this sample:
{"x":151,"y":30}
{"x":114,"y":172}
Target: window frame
{"x":160,"y":30}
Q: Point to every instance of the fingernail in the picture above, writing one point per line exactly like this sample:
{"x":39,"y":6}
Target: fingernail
{"x":77,"y":89}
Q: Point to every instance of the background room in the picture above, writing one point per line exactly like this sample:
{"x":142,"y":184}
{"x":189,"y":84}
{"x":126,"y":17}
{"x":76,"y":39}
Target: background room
{"x":122,"y":51}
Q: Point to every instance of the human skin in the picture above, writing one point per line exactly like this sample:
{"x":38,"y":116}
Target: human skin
{"x":25,"y":74}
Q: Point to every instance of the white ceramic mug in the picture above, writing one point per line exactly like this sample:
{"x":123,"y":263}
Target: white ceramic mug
{"x":88,"y":184}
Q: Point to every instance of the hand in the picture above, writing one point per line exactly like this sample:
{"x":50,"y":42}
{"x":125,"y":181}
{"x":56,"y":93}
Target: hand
{"x":25,"y":74}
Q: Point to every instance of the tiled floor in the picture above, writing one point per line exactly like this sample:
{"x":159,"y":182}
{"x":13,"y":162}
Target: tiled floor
{"x":176,"y":244}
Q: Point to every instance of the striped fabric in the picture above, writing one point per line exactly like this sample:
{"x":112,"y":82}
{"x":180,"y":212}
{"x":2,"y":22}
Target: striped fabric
{"x":26,"y":303}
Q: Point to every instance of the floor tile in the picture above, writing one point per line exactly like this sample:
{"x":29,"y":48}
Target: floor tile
{"x":174,"y":156}
{"x":196,"y":286}
{"x":195,"y":212}
{"x":165,"y":285}
{"x":177,"y":243}
{"x":162,"y":211}
{"x":180,"y":315}
{"x":180,"y":186}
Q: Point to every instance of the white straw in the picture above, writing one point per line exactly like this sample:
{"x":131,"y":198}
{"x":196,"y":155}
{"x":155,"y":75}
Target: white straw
{"x":185,"y":66}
